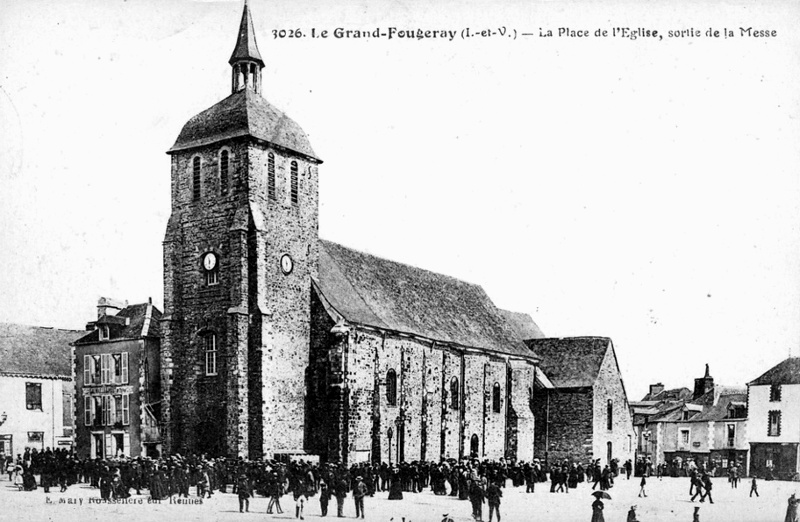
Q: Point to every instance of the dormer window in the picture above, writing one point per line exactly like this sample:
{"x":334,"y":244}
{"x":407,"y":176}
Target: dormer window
{"x":686,"y":415}
{"x":105,"y":333}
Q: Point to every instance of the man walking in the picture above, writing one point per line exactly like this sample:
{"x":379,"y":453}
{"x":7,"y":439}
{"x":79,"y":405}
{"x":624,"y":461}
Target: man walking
{"x":753,"y":487}
{"x":707,"y":485}
{"x":493,"y":495}
{"x":359,"y":491}
{"x":244,"y":491}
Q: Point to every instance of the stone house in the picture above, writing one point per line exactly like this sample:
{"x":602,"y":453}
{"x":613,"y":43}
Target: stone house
{"x":658,"y":401}
{"x":774,"y":427}
{"x":36,"y":387}
{"x":117,"y":382}
{"x":710,"y":429}
{"x":586,"y":416}
{"x":317,"y":348}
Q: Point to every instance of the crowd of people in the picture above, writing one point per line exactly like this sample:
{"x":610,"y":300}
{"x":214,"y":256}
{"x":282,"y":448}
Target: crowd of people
{"x":480,"y":482}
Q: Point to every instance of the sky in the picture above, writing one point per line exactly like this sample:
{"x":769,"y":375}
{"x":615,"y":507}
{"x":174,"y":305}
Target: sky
{"x":647,"y":190}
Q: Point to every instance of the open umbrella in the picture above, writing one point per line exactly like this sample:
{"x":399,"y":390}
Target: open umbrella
{"x":601,"y":494}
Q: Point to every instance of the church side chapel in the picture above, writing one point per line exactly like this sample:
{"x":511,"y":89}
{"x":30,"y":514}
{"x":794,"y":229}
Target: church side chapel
{"x":277,"y":343}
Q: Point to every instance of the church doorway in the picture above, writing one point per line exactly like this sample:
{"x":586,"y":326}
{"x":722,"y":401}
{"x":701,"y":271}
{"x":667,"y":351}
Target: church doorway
{"x":474,"y":446}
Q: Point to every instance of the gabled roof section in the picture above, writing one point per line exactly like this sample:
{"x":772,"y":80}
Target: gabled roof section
{"x":244,"y":114}
{"x":36,"y":350}
{"x":132,"y":322}
{"x":786,"y":372}
{"x":523,"y":324}
{"x":376,"y":292}
{"x":571,"y":362}
{"x":675,"y":394}
{"x":246,"y":48}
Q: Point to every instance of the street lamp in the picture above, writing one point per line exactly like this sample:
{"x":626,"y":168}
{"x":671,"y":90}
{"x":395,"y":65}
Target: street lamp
{"x":390,"y":435}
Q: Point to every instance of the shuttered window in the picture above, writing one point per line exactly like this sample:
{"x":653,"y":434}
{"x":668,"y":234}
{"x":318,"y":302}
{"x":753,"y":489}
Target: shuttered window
{"x":223,"y":172}
{"x":105,"y":368}
{"x":126,"y":407}
{"x":88,"y":410}
{"x":271,"y":176}
{"x":124,"y":368}
{"x":294,"y":182}
{"x":196,"y":179}
{"x":88,"y":369}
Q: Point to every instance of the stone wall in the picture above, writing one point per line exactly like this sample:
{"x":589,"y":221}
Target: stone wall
{"x":255,"y":405}
{"x":608,"y":387}
{"x":564,"y":424}
{"x":422,"y":424}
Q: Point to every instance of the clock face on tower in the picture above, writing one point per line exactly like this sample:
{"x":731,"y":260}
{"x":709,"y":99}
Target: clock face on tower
{"x":287,"y":264}
{"x":210,"y":261}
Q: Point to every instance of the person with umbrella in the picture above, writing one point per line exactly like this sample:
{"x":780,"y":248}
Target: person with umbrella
{"x":597,"y":506}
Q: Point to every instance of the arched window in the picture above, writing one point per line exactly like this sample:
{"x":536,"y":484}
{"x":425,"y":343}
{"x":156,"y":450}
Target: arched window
{"x":610,"y":414}
{"x":196,"y":178}
{"x":223,"y":172}
{"x":454,"y":390}
{"x":210,"y":342}
{"x":271,"y":176}
{"x":496,"y":397}
{"x":294,"y":183}
{"x":391,"y":388}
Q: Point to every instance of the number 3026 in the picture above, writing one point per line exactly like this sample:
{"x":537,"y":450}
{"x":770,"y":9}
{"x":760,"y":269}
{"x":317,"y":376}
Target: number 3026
{"x":283,"y":33}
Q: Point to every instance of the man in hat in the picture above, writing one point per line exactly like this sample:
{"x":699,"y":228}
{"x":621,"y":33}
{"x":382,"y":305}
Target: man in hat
{"x":244,"y":491}
{"x":359,"y":491}
{"x":632,"y":514}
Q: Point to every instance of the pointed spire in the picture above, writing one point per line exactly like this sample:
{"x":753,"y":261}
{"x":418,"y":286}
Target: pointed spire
{"x":246,"y":48}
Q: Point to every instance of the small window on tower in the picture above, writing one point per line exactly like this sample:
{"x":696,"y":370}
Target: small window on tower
{"x":223,"y":172}
{"x":196,"y":178}
{"x":271,"y":176}
{"x":294,"y":183}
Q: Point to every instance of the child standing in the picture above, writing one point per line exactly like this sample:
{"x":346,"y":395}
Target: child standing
{"x":642,"y":484}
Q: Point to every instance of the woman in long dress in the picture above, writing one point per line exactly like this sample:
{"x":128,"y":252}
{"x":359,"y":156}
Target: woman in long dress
{"x":597,"y":511}
{"x":791,"y":509}
{"x":396,"y":487}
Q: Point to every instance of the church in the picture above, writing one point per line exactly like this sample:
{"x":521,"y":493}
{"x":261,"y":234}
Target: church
{"x":278,"y":343}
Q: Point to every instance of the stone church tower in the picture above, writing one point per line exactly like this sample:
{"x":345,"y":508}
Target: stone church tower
{"x":240,"y":252}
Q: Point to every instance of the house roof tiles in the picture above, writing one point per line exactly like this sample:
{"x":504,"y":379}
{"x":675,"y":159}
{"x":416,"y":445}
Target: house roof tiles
{"x":36,"y":351}
{"x":785,"y":372}
{"x":571,"y":362}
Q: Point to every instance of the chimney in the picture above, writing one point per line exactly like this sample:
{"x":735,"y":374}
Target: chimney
{"x":109,"y":306}
{"x":655,"y":389}
{"x":703,"y":385}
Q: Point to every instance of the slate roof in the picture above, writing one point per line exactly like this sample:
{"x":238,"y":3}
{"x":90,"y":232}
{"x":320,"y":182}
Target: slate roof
{"x":246,"y":48}
{"x":708,"y":409}
{"x":244,"y":113}
{"x":523,"y":324}
{"x":786,"y":372}
{"x":674,"y":394}
{"x":372,"y":291}
{"x":36,"y":350}
{"x":571,"y":362}
{"x":140,"y":324}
